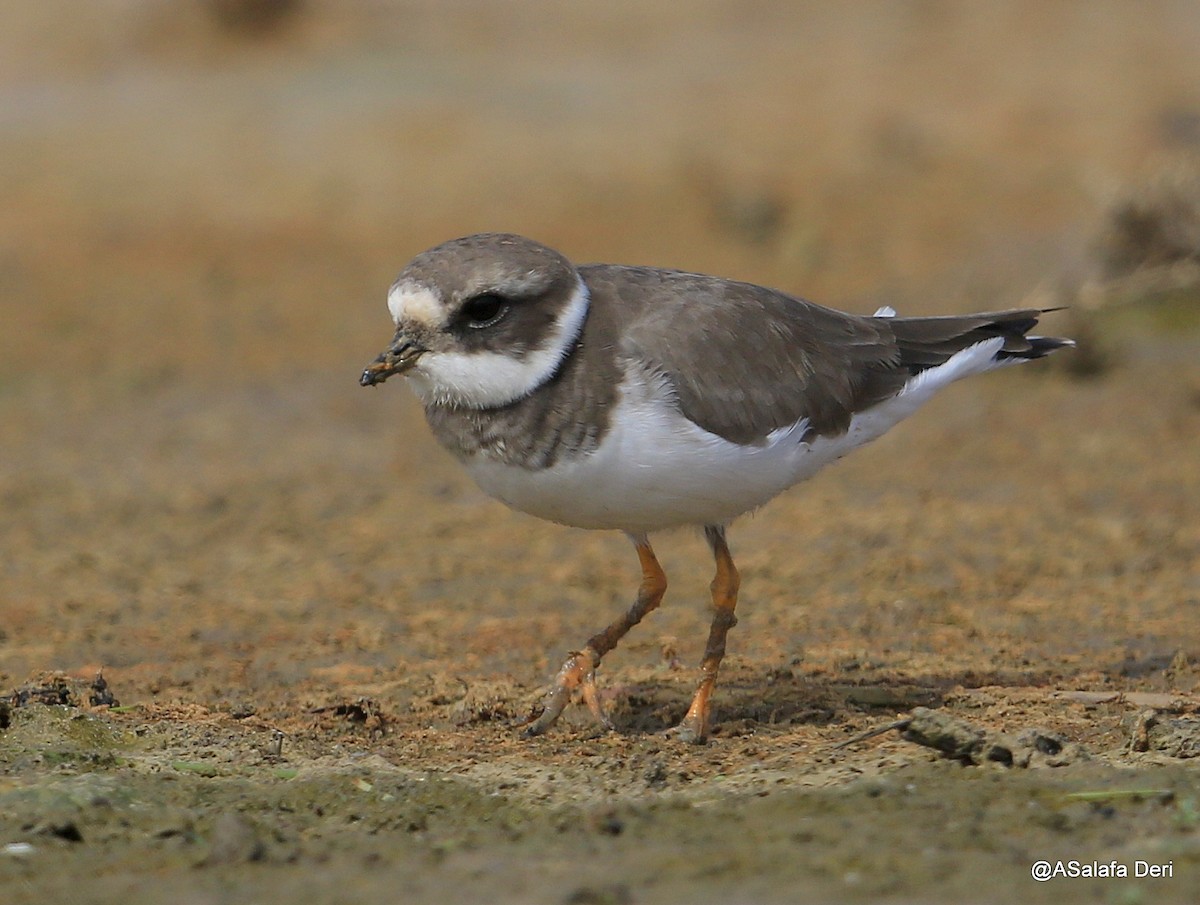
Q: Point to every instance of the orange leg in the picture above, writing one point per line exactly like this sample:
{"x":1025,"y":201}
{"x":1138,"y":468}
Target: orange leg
{"x":695,"y":724}
{"x":579,"y":671}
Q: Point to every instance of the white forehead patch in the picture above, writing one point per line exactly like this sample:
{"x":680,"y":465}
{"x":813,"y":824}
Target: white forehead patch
{"x":485,"y":379}
{"x":416,"y":304}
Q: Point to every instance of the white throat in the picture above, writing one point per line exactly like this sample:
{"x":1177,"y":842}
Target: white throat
{"x":489,"y":379}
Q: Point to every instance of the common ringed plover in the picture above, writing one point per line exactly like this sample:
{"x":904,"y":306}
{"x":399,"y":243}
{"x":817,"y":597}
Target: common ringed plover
{"x":639,"y":399}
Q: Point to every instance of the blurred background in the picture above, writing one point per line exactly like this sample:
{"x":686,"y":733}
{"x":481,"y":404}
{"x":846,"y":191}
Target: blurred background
{"x":184,"y":178}
{"x":202,"y":203}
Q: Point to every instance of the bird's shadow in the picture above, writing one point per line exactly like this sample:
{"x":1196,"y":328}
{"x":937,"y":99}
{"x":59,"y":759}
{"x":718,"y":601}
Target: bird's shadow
{"x":750,"y":700}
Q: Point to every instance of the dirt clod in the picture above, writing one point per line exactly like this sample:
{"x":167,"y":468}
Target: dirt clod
{"x":1174,"y":737}
{"x":49,"y":689}
{"x":969,"y":744}
{"x":101,"y":695}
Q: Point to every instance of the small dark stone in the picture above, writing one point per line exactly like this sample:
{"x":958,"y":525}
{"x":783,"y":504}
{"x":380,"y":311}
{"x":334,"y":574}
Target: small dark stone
{"x":67,"y":830}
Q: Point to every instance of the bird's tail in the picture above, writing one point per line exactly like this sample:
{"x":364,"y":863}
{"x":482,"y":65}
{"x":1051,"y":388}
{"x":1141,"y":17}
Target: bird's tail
{"x":926,"y":342}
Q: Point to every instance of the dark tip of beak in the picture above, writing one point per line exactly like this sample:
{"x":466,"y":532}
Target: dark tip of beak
{"x":378,"y":371}
{"x":401,"y":355}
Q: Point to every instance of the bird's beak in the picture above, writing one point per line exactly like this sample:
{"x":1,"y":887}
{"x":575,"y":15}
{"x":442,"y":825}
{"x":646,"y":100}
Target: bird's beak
{"x":397,"y":358}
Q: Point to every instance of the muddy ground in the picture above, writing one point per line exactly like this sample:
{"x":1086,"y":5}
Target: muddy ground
{"x":315,"y":634}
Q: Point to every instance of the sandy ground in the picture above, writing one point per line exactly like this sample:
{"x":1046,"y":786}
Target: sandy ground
{"x":316,"y":634}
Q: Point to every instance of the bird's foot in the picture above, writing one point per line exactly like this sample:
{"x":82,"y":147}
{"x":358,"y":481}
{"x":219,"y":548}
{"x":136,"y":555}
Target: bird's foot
{"x":694,"y":726}
{"x":578,"y":672}
{"x":688,"y":731}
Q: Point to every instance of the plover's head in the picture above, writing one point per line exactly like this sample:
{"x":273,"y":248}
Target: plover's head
{"x":481,"y":321}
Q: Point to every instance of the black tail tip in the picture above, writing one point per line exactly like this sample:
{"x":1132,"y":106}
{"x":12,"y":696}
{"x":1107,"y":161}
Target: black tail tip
{"x":1039,"y":347}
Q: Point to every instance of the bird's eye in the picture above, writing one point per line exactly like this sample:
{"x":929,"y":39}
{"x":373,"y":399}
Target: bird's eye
{"x":484,"y":310}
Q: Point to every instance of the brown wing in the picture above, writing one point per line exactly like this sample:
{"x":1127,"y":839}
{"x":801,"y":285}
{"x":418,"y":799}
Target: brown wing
{"x":745,"y":360}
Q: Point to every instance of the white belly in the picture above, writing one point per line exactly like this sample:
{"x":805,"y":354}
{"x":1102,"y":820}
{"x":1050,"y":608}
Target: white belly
{"x":655,"y":469}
